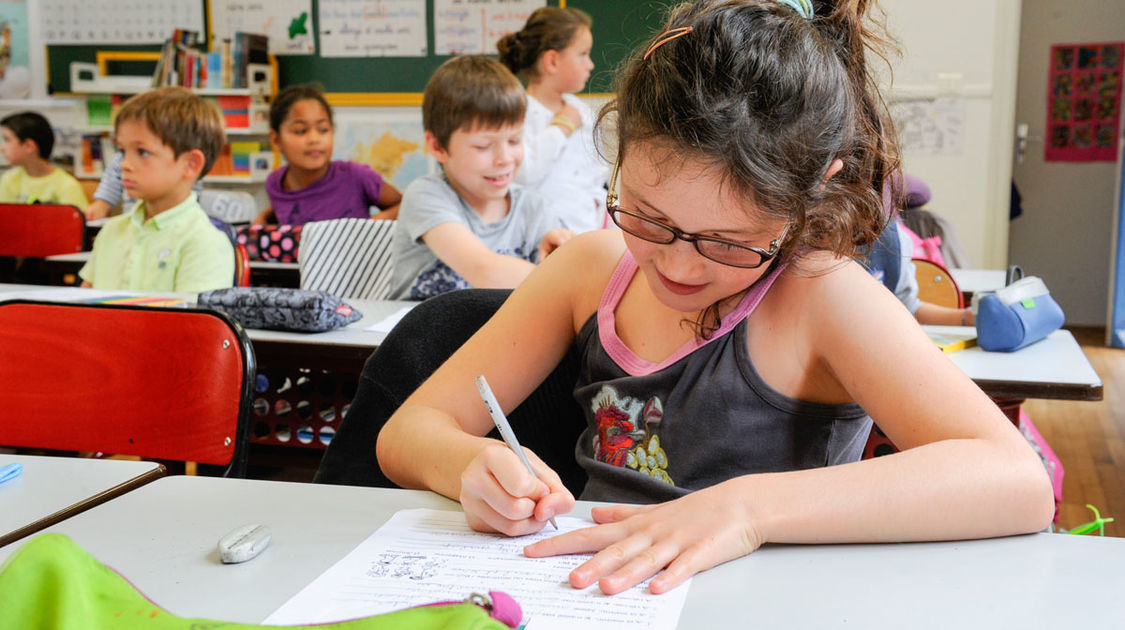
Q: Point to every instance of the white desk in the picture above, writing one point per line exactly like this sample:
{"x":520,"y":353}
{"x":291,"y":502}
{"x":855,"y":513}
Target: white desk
{"x":977,"y":280}
{"x":162,"y":538}
{"x":51,"y":489}
{"x":1054,"y":367}
{"x":280,"y":273}
{"x":354,"y":335}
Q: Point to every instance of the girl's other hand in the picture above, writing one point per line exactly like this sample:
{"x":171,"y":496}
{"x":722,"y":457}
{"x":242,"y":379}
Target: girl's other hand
{"x":552,"y":240}
{"x":633,"y":543}
{"x":499,"y":495}
{"x":572,"y":114}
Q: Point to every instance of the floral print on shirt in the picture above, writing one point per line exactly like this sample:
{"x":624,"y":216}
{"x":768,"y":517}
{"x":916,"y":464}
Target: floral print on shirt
{"x":626,"y":433}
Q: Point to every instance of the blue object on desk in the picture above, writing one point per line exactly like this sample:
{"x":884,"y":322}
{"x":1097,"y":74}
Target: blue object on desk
{"x":11,"y":471}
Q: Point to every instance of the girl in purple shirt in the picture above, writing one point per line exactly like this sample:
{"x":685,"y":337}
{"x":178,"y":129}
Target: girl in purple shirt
{"x":313,"y":187}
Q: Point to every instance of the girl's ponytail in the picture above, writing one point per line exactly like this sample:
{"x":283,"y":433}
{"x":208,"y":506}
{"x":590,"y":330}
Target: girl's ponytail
{"x":857,"y":35}
{"x":547,"y":28}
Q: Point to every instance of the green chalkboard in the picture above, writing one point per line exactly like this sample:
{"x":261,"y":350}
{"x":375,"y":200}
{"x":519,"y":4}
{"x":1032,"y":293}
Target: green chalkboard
{"x":619,"y":26}
{"x":59,"y":58}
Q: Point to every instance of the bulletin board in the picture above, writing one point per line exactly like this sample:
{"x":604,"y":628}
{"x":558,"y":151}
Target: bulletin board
{"x":619,"y":27}
{"x":1084,"y":102}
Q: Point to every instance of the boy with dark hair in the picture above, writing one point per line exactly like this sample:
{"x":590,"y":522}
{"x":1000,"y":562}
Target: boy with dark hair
{"x":169,"y":138}
{"x":471,"y":226}
{"x":28,"y":140}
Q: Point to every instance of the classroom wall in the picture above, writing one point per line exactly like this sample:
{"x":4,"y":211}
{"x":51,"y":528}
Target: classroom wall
{"x":1066,"y":232}
{"x":966,"y":51}
{"x":977,"y":40}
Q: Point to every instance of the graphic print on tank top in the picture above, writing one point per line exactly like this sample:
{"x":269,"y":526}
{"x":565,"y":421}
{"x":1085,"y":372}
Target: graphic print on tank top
{"x":627,"y":433}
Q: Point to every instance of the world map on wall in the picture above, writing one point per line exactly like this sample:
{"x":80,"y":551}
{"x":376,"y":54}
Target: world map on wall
{"x":395,"y":149}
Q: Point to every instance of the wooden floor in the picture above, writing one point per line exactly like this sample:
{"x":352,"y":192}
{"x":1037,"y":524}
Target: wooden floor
{"x":1089,"y":440}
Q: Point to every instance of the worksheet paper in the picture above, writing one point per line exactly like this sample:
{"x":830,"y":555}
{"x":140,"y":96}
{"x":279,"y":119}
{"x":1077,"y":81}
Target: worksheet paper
{"x":387,"y":323}
{"x":424,"y":556}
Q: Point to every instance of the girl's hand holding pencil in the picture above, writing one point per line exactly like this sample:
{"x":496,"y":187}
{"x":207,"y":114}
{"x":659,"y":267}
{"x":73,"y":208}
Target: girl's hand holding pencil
{"x":499,"y":494}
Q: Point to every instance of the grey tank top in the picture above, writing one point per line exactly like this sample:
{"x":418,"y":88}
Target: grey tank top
{"x":656,"y":431}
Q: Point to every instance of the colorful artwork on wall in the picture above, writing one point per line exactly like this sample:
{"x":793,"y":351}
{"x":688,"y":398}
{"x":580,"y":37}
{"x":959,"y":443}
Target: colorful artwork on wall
{"x":1084,"y":102}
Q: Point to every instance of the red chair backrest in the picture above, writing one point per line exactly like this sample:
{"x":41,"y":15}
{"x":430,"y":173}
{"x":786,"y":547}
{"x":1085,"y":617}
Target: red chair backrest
{"x":39,"y":230}
{"x":241,"y":265}
{"x":161,"y":383}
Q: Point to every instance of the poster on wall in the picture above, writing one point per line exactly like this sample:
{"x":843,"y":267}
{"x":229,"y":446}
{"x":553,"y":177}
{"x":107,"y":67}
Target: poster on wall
{"x":1084,"y":102}
{"x":473,"y":26}
{"x":392,"y":143}
{"x":117,"y":21}
{"x":932,"y":126}
{"x":15,"y":78}
{"x":372,"y":28}
{"x":288,"y":23}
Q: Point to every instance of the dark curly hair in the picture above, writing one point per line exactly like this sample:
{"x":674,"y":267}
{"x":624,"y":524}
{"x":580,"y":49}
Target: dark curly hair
{"x":771,"y":99}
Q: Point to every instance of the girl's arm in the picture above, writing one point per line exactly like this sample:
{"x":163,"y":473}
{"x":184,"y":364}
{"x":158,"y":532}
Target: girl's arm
{"x":435,"y":440}
{"x":543,"y":144}
{"x":388,"y":202}
{"x":964,"y":470}
{"x":264,"y":217}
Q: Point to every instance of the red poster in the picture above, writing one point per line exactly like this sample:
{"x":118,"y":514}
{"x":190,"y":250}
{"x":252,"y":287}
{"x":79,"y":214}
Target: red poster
{"x":1084,"y":102}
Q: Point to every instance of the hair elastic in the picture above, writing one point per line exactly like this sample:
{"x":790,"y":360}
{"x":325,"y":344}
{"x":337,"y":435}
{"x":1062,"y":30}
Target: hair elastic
{"x":803,"y":8}
{"x":668,"y":36}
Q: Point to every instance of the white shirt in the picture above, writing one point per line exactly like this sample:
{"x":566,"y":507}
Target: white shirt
{"x":567,"y":170}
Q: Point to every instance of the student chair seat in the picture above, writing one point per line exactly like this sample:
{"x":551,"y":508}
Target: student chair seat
{"x":234,"y":207}
{"x":158,"y":383}
{"x":936,"y":285}
{"x":40,"y":230}
{"x":548,"y":422}
{"x":349,"y":258}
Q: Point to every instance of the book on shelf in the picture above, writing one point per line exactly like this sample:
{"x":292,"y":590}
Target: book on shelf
{"x":247,"y":48}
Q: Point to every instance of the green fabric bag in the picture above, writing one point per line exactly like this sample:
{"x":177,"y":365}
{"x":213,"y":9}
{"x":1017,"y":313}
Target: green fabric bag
{"x":51,"y":583}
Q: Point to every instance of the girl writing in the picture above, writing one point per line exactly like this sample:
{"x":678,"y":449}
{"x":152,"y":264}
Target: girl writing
{"x":733,"y":354}
{"x":552,"y":51}
{"x":312,"y":186}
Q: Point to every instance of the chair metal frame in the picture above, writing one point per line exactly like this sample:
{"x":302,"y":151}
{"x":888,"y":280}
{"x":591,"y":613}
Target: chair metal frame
{"x":241,"y":265}
{"x":41,"y":229}
{"x":173,"y":384}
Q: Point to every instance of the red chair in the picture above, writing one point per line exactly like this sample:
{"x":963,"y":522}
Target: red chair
{"x":40,"y":230}
{"x":158,"y":383}
{"x":241,"y":266}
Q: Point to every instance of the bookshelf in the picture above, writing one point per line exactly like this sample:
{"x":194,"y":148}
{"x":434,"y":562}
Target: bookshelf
{"x":246,"y":160}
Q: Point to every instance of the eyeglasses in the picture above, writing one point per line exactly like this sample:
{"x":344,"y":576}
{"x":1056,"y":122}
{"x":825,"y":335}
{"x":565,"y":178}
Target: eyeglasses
{"x":716,"y":249}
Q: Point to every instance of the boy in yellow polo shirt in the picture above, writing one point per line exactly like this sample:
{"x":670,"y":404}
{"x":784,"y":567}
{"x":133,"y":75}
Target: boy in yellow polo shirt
{"x":27,"y":143}
{"x":169,"y":138}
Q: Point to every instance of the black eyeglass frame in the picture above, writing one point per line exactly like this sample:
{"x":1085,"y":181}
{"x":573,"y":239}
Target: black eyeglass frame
{"x":674,"y":233}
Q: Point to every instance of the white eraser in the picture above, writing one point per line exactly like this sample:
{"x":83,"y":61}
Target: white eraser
{"x":244,"y":543}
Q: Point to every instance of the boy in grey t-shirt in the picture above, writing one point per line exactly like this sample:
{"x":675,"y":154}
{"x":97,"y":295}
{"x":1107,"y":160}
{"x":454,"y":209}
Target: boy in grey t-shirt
{"x":471,"y":226}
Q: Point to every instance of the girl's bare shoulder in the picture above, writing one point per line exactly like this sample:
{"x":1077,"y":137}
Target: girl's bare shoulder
{"x":580,"y":268}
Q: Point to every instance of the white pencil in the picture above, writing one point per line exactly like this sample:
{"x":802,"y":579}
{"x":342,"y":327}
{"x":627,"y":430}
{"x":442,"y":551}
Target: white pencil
{"x":505,"y":429}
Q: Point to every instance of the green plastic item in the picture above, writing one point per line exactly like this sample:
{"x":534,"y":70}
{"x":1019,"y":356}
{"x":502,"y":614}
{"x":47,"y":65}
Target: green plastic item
{"x":1098,"y":523}
{"x":51,"y":583}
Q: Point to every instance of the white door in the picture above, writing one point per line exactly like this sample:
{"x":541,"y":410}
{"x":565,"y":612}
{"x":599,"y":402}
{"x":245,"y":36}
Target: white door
{"x":1065,"y":234}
